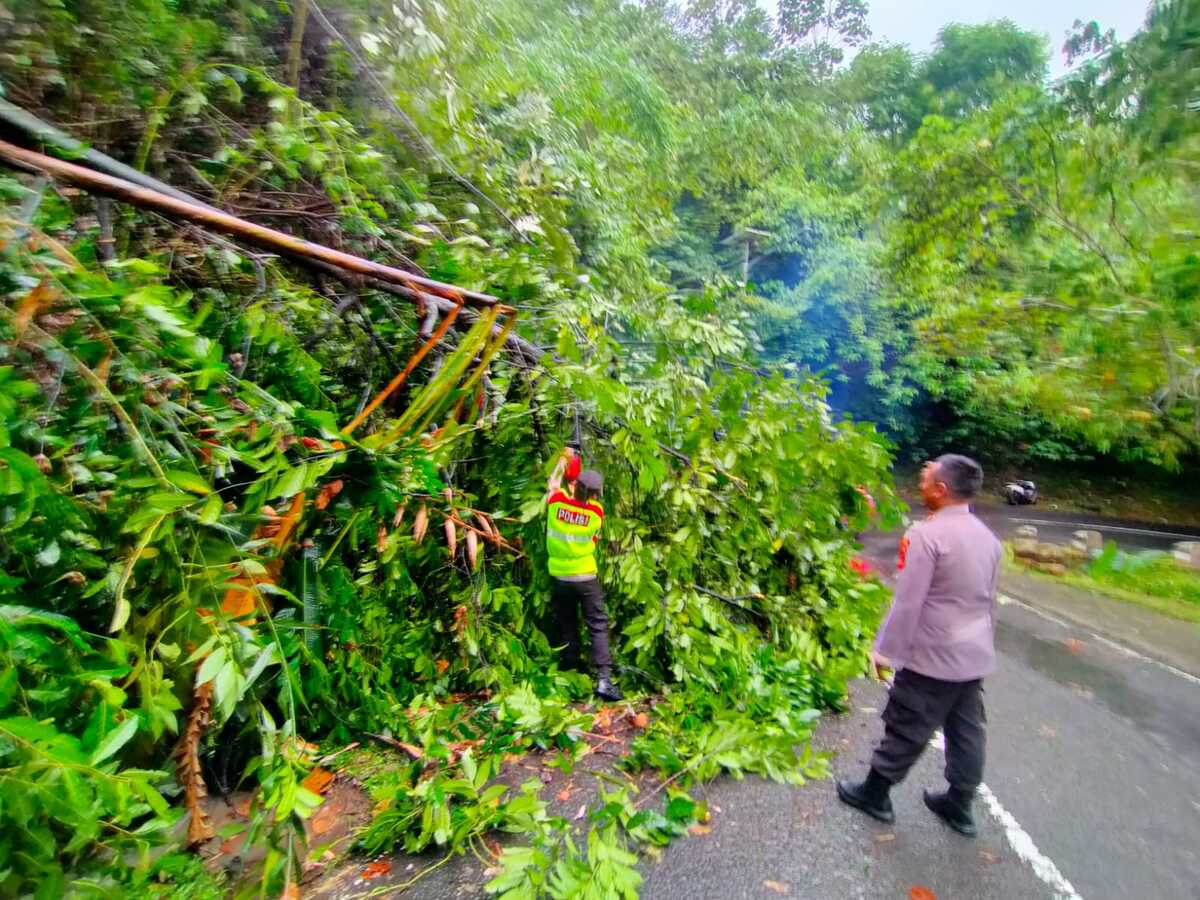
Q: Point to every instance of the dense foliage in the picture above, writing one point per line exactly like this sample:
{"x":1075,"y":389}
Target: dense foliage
{"x":691,"y":207}
{"x":204,"y":569}
{"x":1011,"y":265}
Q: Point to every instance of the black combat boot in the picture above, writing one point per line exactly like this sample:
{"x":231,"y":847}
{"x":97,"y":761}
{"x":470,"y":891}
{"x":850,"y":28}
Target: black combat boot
{"x":605,"y":688}
{"x":954,"y":808}
{"x":870,"y":796}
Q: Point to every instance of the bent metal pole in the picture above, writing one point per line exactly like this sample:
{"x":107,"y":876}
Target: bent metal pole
{"x":120,"y":189}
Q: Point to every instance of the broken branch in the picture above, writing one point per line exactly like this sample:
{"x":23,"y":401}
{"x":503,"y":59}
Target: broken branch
{"x":120,"y":189}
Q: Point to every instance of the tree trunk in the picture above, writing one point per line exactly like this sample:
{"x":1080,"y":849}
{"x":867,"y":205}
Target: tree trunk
{"x":295,"y":50}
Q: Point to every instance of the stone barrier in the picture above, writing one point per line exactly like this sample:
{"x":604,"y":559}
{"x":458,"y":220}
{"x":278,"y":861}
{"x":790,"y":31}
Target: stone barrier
{"x":1046,"y":556}
{"x":1058,"y":559}
{"x":1188,"y":553}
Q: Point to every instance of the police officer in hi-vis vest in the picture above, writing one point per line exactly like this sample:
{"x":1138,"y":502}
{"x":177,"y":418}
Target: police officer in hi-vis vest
{"x":573,"y":522}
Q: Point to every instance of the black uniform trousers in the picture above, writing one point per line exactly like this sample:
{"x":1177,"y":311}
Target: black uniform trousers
{"x":566,"y":598}
{"x":919,"y":705}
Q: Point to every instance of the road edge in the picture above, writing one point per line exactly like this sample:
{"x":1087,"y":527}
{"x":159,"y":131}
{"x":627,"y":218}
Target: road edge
{"x":1167,"y":641}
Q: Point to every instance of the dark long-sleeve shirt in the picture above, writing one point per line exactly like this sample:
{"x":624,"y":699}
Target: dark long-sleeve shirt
{"x":942,"y":620}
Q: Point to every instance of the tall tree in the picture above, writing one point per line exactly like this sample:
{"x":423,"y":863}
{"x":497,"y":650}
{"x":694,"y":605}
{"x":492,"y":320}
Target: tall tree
{"x":973,"y":65}
{"x":882,"y":88}
{"x":826,"y":28}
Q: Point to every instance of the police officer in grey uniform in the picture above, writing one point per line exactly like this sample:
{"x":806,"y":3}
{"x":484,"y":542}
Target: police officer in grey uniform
{"x":939,"y":637}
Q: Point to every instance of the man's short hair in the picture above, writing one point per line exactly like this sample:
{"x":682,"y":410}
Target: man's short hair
{"x":962,"y":476}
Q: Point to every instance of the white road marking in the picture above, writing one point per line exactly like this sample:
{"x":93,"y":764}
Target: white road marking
{"x":1091,"y":526}
{"x":1005,"y":600}
{"x":1020,"y":841}
{"x":1023,"y":845}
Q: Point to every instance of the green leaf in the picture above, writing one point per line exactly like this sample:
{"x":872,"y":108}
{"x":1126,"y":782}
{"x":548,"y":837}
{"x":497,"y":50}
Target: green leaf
{"x":268,"y":656}
{"x":212,"y":509}
{"x":291,"y":482}
{"x":49,"y":554}
{"x":8,"y":687}
{"x":467,"y":761}
{"x":202,"y":651}
{"x":115,"y":740}
{"x":87,"y":541}
{"x":189,"y":481}
{"x":23,"y":616}
{"x":227,"y":687}
{"x":681,"y":809}
{"x":163,"y":501}
{"x":152,"y":797}
{"x":211,"y":666}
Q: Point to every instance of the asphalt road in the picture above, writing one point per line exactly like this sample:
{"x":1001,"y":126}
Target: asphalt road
{"x":1093,"y":768}
{"x":1093,"y":778}
{"x":1058,"y":526}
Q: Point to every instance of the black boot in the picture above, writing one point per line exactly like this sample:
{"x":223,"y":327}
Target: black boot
{"x":605,"y":688}
{"x":954,"y":808}
{"x":870,"y":796}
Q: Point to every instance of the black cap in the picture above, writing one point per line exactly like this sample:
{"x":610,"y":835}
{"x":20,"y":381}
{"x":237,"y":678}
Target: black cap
{"x":592,"y":480}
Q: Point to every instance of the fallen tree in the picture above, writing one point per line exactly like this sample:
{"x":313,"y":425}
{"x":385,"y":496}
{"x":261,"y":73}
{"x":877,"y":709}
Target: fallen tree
{"x":206,"y":567}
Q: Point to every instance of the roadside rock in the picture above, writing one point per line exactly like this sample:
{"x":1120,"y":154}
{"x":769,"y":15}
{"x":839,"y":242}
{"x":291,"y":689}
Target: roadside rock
{"x":1051,"y":568}
{"x":1050,"y":553}
{"x":1188,"y":553}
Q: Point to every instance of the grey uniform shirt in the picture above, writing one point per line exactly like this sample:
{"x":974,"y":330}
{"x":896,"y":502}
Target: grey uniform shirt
{"x":942,"y":620}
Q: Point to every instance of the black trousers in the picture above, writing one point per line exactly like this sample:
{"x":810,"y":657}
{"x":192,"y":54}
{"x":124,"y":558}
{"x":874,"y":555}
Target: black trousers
{"x":566,"y":597}
{"x":919,"y":705}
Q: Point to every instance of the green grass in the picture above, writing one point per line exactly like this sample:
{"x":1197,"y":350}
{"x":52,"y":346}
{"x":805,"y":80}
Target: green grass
{"x":1184,"y":610}
{"x":1161,"y":578}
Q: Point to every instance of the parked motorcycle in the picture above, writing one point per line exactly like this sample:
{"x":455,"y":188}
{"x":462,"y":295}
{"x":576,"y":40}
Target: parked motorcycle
{"x":1020,"y":493}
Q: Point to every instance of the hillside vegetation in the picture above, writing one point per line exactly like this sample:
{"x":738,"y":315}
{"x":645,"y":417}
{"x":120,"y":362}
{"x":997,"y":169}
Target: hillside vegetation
{"x":219,"y":549}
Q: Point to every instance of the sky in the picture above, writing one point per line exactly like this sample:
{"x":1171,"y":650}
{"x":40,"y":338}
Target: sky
{"x":916,"y":22}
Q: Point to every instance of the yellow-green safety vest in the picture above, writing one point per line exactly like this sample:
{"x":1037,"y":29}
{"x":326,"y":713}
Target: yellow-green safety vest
{"x":572,"y":528}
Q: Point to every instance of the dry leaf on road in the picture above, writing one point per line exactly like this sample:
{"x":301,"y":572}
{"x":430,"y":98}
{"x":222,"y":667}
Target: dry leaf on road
{"x":777,"y":886}
{"x":376,"y":869}
{"x":325,"y":818}
{"x":917,"y":892}
{"x":318,"y":780}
